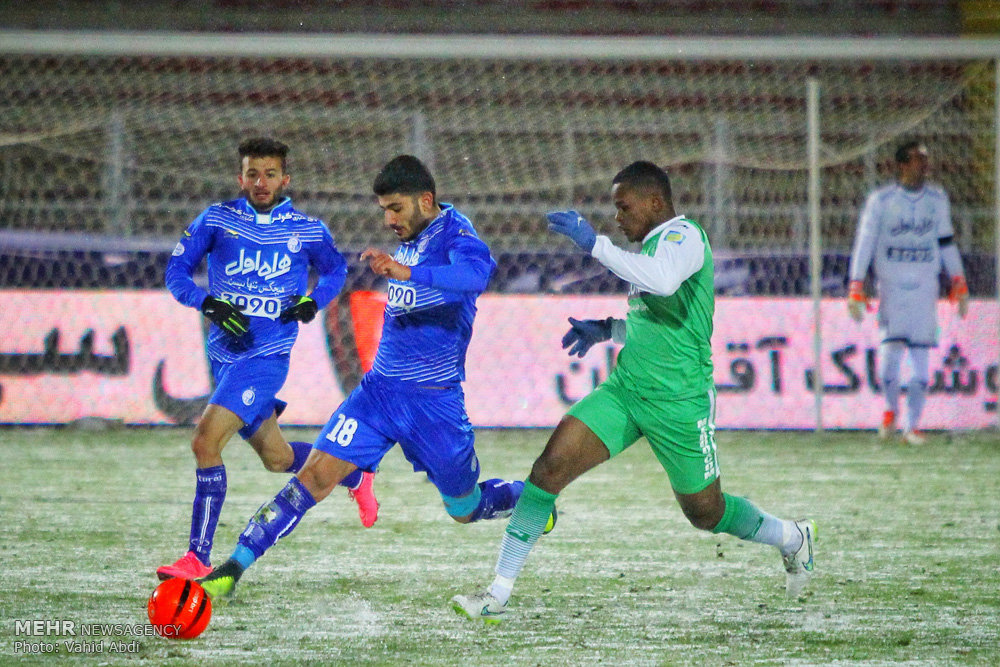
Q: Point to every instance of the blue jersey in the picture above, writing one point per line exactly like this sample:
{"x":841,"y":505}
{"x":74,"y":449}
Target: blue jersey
{"x":256,"y":261}
{"x":428,"y":319}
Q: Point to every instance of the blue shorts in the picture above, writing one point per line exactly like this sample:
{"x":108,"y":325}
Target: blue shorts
{"x":248,"y":388}
{"x":429,"y":424}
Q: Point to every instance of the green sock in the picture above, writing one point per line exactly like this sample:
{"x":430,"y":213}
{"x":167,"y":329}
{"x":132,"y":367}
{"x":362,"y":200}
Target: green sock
{"x":741,"y":518}
{"x":526,"y":525}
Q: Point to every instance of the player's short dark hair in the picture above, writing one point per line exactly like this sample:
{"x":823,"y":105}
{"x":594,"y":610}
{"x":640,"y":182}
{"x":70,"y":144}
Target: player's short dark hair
{"x":404,"y":175}
{"x":644,"y":174}
{"x":264,"y":147}
{"x":903,"y":151}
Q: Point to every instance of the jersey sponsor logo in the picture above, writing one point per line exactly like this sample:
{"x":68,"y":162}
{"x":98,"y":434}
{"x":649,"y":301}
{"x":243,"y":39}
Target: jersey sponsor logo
{"x":254,"y":264}
{"x":904,"y":225}
{"x":675,"y":237}
{"x":282,"y":217}
{"x":401,"y":296}
{"x":294,"y":244}
{"x":408,"y":255}
{"x":894,"y":254}
{"x":255,"y":305}
{"x":178,"y":249}
{"x":248,"y":396}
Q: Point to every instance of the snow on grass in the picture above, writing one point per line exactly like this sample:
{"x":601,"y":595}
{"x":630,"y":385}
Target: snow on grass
{"x":908,"y":562}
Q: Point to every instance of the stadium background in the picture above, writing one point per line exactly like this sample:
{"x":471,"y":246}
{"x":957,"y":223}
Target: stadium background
{"x":110,"y":144}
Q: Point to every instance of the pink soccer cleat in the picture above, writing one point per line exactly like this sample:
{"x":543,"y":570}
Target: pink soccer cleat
{"x":187,"y":567}
{"x":364,"y":496}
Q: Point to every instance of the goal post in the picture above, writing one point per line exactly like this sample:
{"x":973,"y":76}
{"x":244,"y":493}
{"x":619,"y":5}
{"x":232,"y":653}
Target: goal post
{"x":111,"y":143}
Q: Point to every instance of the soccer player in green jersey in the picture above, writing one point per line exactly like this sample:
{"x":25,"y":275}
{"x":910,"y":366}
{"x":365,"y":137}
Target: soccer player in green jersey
{"x":661,"y":388}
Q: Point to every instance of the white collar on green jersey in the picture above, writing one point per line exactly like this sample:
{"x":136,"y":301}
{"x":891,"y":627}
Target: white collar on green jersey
{"x":663,"y":225}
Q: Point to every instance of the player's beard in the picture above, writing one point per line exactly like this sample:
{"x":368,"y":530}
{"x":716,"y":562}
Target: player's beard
{"x":264,"y":208}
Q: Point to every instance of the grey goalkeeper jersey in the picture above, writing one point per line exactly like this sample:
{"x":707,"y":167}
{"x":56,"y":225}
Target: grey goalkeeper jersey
{"x":900,"y":231}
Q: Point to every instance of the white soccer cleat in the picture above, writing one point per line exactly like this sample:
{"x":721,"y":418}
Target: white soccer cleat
{"x":914,"y":438}
{"x":799,"y":564}
{"x":481,"y":605}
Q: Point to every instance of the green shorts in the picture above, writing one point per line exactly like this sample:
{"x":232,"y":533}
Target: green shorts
{"x":680,"y":432}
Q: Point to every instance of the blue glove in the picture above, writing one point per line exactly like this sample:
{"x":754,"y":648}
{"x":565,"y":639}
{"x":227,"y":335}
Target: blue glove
{"x":573,"y":225}
{"x":584,"y":333}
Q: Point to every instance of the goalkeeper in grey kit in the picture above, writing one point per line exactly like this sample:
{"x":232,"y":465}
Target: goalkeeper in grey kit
{"x":905,"y":230}
{"x":661,"y":389}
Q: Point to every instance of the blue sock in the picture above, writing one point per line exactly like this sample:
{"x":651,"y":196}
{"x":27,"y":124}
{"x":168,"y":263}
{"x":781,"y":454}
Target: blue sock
{"x":352,"y":480}
{"x":209,"y":494}
{"x":274,"y":520}
{"x":301,"y":451}
{"x":497,"y":500}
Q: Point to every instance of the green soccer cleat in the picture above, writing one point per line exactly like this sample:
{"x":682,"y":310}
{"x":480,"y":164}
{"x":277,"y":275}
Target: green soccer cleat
{"x":480,"y":605}
{"x":551,"y":523}
{"x":799,"y":564}
{"x":222,"y":581}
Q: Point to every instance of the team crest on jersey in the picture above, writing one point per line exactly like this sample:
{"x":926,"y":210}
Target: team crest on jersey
{"x":675,"y":237}
{"x":178,"y":250}
{"x":294,"y":244}
{"x":249,"y":396}
{"x":422,"y":245}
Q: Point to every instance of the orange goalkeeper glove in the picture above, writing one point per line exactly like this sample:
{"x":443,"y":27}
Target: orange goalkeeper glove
{"x":959,"y":294}
{"x":857,"y":302}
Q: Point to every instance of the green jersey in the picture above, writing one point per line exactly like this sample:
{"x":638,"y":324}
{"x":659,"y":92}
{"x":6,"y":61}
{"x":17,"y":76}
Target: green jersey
{"x":668,"y":329}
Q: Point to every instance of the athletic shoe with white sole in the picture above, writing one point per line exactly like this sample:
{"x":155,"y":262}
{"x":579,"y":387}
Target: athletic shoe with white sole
{"x":799,"y":564}
{"x":480,"y":605}
{"x":887,"y":428}
{"x":914,"y":438}
{"x":187,"y":566}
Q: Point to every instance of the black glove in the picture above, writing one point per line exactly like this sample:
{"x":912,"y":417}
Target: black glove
{"x":585,"y":333}
{"x":303,"y":309}
{"x":225,"y":316}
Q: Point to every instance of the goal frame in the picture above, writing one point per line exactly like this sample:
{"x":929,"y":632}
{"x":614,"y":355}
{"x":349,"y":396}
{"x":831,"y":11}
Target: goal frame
{"x":519,"y":47}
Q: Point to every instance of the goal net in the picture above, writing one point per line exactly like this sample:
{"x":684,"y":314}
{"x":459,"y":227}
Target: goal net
{"x":105,"y":157}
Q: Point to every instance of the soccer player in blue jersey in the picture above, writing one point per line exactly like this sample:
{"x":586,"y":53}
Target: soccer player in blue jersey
{"x":413,"y":394}
{"x":259,"y":251}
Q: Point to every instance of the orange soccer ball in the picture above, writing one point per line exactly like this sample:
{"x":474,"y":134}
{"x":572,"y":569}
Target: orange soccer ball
{"x":179,"y":609}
